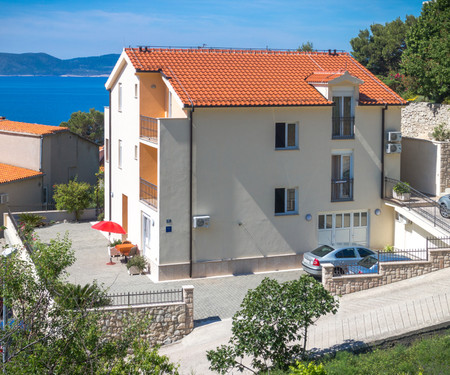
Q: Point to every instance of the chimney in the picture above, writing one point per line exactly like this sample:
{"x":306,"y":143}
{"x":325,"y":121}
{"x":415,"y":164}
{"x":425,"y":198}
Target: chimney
{"x":2,"y":118}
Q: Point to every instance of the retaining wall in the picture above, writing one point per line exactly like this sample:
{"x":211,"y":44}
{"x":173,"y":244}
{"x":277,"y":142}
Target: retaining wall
{"x":389,"y":272}
{"x":169,"y":322}
{"x":419,"y":119}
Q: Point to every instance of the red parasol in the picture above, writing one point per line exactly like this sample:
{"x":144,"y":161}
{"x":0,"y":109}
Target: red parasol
{"x":111,"y":227}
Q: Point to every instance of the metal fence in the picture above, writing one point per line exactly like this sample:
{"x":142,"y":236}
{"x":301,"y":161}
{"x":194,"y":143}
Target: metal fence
{"x":149,"y":128}
{"x":438,"y":243}
{"x":144,"y":298}
{"x":148,"y":193}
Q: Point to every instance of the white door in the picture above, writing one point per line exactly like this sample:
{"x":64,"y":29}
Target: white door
{"x":342,"y":228}
{"x":146,"y":234}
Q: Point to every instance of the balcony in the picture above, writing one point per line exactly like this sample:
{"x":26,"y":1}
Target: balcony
{"x":149,"y":129}
{"x":148,"y":193}
{"x":343,"y":128}
{"x":342,"y":190}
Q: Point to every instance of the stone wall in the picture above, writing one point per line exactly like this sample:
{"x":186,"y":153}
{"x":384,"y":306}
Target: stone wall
{"x":445,"y":166}
{"x":389,"y":272}
{"x":419,"y":119}
{"x":168,"y":322}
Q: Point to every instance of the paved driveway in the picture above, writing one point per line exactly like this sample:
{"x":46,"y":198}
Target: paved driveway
{"x":214,"y":298}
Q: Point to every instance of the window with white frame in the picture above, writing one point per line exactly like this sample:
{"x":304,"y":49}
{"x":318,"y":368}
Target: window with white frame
{"x":120,"y":153}
{"x":343,"y":118}
{"x":119,"y":104}
{"x":342,"y":176}
{"x":286,"y":135}
{"x":286,"y":201}
{"x":135,"y":90}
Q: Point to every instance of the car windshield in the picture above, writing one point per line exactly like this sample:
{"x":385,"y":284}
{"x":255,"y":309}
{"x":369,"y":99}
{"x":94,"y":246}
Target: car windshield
{"x":321,"y":251}
{"x":367,"y":262}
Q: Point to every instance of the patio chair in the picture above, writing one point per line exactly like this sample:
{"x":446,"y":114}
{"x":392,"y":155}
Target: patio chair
{"x":126,"y":242}
{"x":113,"y":252}
{"x":133,"y":251}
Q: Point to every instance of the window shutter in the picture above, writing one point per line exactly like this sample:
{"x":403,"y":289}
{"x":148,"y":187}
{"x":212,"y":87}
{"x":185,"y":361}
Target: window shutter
{"x":279,"y":201}
{"x":280,"y":135}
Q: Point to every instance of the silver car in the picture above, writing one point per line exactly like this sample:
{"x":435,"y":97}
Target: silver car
{"x":444,"y":206}
{"x":340,"y":257}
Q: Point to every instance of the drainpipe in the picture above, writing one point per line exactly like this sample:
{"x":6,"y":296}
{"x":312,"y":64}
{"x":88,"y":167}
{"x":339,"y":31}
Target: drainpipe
{"x":109,"y":156}
{"x":191,"y":115}
{"x":383,"y":110}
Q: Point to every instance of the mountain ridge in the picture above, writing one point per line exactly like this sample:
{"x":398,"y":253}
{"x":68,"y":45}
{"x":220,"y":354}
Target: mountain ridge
{"x":43,"y":64}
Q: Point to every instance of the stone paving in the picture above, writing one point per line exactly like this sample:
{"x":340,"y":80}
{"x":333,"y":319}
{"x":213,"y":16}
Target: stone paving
{"x":214,"y":298}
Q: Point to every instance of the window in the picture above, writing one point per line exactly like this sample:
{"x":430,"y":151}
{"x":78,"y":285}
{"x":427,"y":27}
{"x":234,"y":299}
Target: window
{"x":107,"y":150}
{"x":346,"y":253}
{"x":135,"y":90}
{"x":169,"y":104}
{"x":119,"y":105}
{"x":343,"y":120}
{"x":364,"y":252}
{"x":135,"y":152}
{"x":286,"y":201}
{"x":286,"y":136}
{"x":120,"y":153}
{"x":342,"y":177}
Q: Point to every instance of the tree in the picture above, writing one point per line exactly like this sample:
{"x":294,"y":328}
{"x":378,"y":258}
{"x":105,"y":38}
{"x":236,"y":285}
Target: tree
{"x":427,"y":57}
{"x":306,"y":47}
{"x":48,"y":337}
{"x":272,"y":321}
{"x":380,"y":49}
{"x":89,"y":125}
{"x":73,"y":197}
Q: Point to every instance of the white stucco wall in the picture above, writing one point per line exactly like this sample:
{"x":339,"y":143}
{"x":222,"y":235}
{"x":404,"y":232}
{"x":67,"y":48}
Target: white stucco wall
{"x":21,"y":150}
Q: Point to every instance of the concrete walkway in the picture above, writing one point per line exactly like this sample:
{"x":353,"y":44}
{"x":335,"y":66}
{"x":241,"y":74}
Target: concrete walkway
{"x":362,"y":318}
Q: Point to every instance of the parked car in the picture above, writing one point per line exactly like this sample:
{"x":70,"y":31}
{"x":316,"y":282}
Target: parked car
{"x":346,"y":258}
{"x":444,"y":206}
{"x":338,"y":256}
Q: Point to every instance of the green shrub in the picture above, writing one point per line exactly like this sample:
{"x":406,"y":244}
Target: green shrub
{"x":402,"y":188}
{"x":440,"y":133}
{"x":388,"y":249}
{"x":311,"y":369}
{"x":137,"y":261}
{"x":72,"y":296}
{"x":73,"y":197}
{"x":115,"y":242}
{"x":33,"y":220}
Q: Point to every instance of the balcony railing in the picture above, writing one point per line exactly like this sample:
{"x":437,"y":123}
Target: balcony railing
{"x":149,"y":193}
{"x":342,"y":190}
{"x":343,"y":128}
{"x":149,"y":128}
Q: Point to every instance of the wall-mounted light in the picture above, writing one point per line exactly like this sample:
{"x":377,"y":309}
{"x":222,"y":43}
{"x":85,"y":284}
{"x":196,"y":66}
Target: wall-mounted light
{"x":377,"y":212}
{"x":153,"y":86}
{"x":308,"y":217}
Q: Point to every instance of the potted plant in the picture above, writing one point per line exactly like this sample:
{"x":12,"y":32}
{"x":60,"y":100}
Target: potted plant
{"x":112,"y":248}
{"x":402,"y":191}
{"x":136,"y":265}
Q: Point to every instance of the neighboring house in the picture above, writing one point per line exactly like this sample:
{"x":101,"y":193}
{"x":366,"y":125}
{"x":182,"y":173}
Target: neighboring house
{"x":57,"y":152}
{"x":19,"y":185}
{"x":237,"y":161}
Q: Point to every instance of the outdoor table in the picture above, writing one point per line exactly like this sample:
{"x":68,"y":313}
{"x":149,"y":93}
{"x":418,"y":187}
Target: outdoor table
{"x":125,"y":248}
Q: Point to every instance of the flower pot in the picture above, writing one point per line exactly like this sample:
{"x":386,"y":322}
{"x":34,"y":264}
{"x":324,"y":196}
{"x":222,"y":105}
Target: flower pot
{"x":402,"y":196}
{"x":133,"y":270}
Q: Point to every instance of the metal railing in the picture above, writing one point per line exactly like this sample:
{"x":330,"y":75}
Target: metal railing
{"x":438,"y":243}
{"x":343,"y":127}
{"x":418,"y":202}
{"x":342,"y":190}
{"x":148,"y":193}
{"x":145,"y":298}
{"x":401,"y":255}
{"x":149,"y":128}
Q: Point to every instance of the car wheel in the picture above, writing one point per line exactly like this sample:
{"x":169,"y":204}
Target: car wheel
{"x":444,"y":211}
{"x":338,"y":271}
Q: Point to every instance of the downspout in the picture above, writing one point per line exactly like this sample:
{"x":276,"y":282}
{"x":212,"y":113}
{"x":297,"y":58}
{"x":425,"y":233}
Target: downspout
{"x":190,"y":187}
{"x":383,"y":110}
{"x":109,"y":156}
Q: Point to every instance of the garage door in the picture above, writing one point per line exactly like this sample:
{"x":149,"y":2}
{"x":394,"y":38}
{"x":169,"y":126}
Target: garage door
{"x":343,"y":228}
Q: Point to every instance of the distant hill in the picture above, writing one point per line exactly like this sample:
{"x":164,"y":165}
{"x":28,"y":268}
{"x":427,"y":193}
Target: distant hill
{"x":13,"y":64}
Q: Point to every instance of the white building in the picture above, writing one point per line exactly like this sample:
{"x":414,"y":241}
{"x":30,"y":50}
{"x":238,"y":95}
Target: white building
{"x":235,"y":161}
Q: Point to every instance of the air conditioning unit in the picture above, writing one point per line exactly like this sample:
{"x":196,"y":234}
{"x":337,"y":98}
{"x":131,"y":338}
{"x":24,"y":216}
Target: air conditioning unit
{"x":393,"y":148}
{"x":3,"y":198}
{"x":394,"y":136}
{"x":201,"y":221}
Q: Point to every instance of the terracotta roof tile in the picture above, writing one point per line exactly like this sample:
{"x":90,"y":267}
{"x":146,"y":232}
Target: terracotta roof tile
{"x":10,"y":173}
{"x":215,"y":77}
{"x":323,"y":77}
{"x":23,"y":127}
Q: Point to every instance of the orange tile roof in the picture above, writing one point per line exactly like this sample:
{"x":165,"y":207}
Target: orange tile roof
{"x":10,"y":173}
{"x":23,"y":127}
{"x":323,"y":77}
{"x":217,"y":77}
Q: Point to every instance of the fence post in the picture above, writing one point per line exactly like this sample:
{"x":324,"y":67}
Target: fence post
{"x":188,"y":298}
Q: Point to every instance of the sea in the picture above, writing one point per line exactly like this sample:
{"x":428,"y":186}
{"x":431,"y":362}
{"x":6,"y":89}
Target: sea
{"x":50,"y":100}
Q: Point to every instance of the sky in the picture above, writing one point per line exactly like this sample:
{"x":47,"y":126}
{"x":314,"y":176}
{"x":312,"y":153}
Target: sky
{"x":78,"y":28}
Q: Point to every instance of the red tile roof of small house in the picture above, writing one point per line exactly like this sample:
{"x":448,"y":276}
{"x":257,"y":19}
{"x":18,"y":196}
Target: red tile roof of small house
{"x":11,"y":173}
{"x":27,"y":128}
{"x":224,"y":77}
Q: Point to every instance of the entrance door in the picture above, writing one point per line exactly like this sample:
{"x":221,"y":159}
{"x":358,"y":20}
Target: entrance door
{"x":146,"y":234}
{"x":343,"y":228}
{"x":125,"y":212}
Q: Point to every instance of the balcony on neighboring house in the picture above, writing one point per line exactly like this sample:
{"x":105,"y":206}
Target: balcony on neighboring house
{"x":342,"y":190}
{"x":148,"y":193}
{"x":149,"y":129}
{"x":343,"y":128}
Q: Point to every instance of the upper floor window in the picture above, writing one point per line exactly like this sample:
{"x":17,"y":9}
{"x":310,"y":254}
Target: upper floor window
{"x":120,"y":154}
{"x":286,"y":135}
{"x":343,"y":119}
{"x":286,"y":201}
{"x":342,"y":176}
{"x":135,"y":90}
{"x":119,"y":104}
{"x":106,"y":150}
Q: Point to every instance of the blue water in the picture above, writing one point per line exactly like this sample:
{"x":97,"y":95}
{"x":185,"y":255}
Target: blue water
{"x":50,"y":100}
